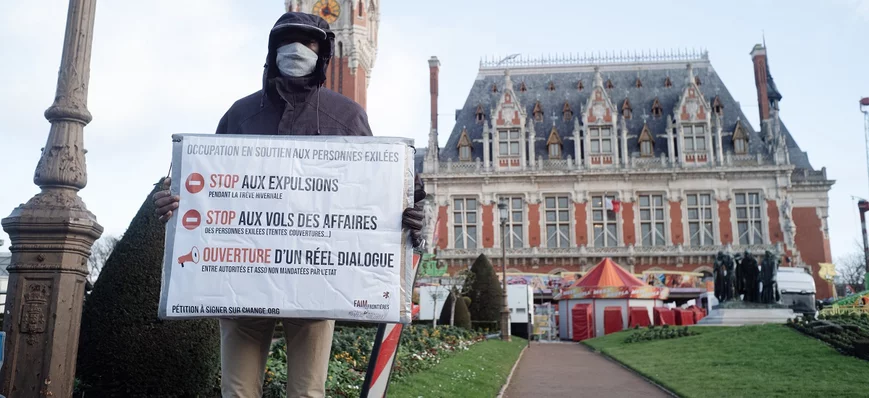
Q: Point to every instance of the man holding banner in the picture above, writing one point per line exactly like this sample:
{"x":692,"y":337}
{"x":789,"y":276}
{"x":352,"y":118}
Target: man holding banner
{"x":292,"y":101}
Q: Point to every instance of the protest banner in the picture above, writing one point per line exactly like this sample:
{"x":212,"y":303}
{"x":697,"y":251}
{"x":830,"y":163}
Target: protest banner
{"x":289,"y":227}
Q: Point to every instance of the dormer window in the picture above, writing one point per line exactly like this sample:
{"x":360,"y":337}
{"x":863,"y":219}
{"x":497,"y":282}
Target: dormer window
{"x":465,"y":153}
{"x":697,"y":80}
{"x":609,"y":84}
{"x":668,"y":83}
{"x":494,"y":88}
{"x":508,"y":145}
{"x":601,"y":140}
{"x":479,"y":116}
{"x":740,"y":140}
{"x":717,"y":107}
{"x":566,"y":112}
{"x":554,"y":143}
{"x":538,"y":112}
{"x":580,"y":86}
{"x":522,"y":87}
{"x":551,"y":86}
{"x":646,"y":141}
{"x":626,"y":109}
{"x":638,"y":83}
{"x":694,"y":137}
{"x":657,"y":109}
{"x":464,"y":146}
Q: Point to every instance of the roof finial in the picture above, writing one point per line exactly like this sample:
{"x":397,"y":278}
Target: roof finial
{"x":690,"y":79}
{"x":508,"y":83}
{"x":598,"y":79}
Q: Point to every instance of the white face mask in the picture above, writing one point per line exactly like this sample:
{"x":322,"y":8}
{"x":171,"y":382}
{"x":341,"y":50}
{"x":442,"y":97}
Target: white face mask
{"x":296,"y":59}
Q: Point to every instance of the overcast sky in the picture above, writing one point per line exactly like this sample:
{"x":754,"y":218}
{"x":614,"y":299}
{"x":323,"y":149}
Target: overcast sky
{"x":162,"y":67}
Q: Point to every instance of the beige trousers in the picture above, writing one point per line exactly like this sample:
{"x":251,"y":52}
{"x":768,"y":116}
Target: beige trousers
{"x":244,"y":348}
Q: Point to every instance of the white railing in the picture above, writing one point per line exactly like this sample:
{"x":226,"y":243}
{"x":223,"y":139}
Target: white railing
{"x":663,"y":163}
{"x":621,"y":57}
{"x":617,"y":251}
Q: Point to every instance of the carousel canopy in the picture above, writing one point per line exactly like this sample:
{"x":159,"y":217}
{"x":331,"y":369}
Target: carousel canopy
{"x":609,"y":280}
{"x":608,"y":273}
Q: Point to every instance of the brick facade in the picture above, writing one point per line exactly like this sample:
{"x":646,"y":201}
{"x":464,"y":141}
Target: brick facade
{"x":712,"y":184}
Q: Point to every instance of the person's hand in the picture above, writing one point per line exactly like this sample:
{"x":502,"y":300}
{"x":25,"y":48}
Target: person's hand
{"x":165,"y":202}
{"x":413,"y":218}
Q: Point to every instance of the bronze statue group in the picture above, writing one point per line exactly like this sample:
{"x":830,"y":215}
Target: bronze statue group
{"x":747,"y":280}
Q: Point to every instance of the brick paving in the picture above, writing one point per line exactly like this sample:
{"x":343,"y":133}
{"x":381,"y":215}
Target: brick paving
{"x":571,"y":370}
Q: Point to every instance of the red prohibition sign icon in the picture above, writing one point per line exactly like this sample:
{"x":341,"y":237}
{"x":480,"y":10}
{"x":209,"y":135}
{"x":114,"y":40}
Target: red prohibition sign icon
{"x":195,"y":182}
{"x":191,"y":219}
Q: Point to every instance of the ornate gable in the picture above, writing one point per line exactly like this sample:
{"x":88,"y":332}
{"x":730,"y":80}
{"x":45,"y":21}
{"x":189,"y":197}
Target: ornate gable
{"x":692,"y":106}
{"x":646,"y":135}
{"x":599,"y":109}
{"x":739,"y":132}
{"x":508,"y":111}
{"x":464,"y":140}
{"x":554,"y":138}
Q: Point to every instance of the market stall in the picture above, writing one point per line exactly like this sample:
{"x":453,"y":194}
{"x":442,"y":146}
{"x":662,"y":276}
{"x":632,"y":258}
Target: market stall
{"x":606,"y":285}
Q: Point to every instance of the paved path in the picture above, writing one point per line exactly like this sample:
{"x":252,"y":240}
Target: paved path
{"x":571,"y":370}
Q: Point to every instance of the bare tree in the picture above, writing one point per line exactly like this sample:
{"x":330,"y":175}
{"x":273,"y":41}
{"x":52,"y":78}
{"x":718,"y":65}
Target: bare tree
{"x":852,"y":268}
{"x":100,"y":253}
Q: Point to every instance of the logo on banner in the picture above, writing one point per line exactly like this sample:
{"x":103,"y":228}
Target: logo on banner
{"x":191,"y":257}
{"x":191,"y":219}
{"x":195,"y":182}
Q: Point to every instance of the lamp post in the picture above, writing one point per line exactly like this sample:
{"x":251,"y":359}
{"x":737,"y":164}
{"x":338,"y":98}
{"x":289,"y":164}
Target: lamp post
{"x":51,"y":236}
{"x":505,"y":309}
{"x":863,"y":206}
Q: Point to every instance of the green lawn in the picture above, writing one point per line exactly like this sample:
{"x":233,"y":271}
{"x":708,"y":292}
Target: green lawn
{"x":478,"y":372}
{"x":748,"y":361}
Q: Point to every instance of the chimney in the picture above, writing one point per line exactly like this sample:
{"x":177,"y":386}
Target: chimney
{"x":758,"y":56}
{"x":434,"y":67}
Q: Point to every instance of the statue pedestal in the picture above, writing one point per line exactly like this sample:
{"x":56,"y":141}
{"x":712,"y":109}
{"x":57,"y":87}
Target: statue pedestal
{"x":740,"y":313}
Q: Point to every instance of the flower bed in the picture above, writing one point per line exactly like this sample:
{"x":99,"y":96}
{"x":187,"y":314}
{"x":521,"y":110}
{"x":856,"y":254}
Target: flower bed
{"x":652,"y":333}
{"x":421,"y":348}
{"x":847,"y":333}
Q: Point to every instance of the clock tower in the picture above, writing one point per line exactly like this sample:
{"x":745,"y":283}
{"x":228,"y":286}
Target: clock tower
{"x":355,"y":24}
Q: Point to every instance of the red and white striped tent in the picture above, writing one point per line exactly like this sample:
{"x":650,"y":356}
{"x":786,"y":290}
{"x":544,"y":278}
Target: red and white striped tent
{"x":606,"y":285}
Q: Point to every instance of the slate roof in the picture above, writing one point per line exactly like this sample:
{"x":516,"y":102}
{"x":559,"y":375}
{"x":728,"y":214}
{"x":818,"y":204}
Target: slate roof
{"x":623,"y":77}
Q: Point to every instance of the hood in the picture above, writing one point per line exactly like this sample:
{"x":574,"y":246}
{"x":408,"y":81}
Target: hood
{"x":294,"y":22}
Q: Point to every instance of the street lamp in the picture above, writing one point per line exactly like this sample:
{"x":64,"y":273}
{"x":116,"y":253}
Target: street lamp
{"x":505,"y":310}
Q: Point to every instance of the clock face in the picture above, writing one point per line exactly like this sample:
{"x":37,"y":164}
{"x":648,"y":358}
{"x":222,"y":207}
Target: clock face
{"x":327,"y":9}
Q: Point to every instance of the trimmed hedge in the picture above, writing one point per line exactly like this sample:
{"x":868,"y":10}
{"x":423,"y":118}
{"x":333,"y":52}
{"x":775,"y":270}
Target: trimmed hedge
{"x":124,"y":349}
{"x":485,"y":292}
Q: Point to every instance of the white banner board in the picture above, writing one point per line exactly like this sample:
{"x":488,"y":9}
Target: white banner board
{"x":289,"y":227}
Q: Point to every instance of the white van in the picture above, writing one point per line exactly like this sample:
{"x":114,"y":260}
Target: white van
{"x":797,"y":289}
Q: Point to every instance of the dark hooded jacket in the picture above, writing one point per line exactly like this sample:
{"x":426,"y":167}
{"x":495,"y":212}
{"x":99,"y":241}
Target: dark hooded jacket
{"x":296,"y":105}
{"x":299,"y":105}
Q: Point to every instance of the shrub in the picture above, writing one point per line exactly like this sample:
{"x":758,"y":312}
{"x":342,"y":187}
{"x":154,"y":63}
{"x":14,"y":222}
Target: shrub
{"x":125,"y":350}
{"x":846,"y":333}
{"x":485,"y":292}
{"x":421,"y":348}
{"x":463,"y":316}
{"x":652,"y":333}
{"x":447,"y":310}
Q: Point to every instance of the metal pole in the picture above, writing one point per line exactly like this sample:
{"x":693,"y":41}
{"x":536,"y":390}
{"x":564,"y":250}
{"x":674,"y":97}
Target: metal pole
{"x":505,"y":309}
{"x":51,"y":235}
{"x":864,"y":206}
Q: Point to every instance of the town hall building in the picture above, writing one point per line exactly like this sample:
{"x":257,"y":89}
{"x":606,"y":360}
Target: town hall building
{"x":646,"y":159}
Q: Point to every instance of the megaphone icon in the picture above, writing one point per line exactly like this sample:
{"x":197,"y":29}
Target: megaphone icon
{"x":192,"y":257}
